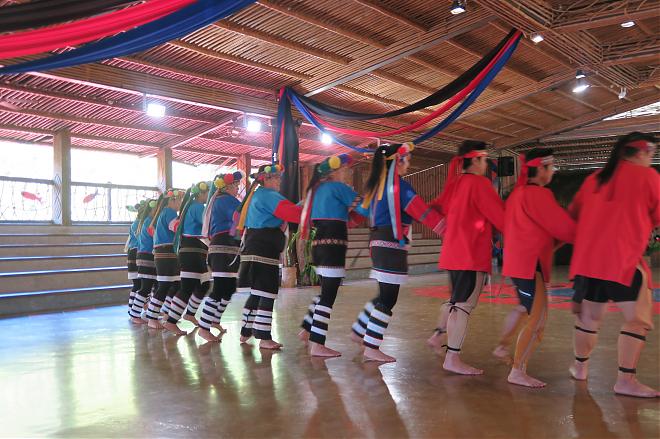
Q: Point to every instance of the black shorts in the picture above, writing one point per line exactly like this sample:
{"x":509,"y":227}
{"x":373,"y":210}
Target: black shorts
{"x":526,"y":289}
{"x":599,"y":290}
{"x":463,"y":284}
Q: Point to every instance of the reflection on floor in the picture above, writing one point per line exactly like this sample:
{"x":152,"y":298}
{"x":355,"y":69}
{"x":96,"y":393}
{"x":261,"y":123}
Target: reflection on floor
{"x":91,"y":374}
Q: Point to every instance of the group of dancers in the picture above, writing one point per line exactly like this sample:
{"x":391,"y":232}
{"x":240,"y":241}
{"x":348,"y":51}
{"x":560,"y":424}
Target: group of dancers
{"x":175,"y":240}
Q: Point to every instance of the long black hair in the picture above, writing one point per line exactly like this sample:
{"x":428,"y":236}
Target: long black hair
{"x":468,"y":146}
{"x":378,"y":163}
{"x":620,"y":151}
{"x":316,"y":177}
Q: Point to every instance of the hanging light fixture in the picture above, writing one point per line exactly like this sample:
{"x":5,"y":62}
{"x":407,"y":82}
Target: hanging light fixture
{"x":580,"y":74}
{"x":155,"y":110}
{"x":326,"y":139}
{"x":581,"y":85}
{"x":536,"y":37}
{"x":623,"y":93}
{"x":253,"y":126}
{"x":457,"y":7}
{"x":628,"y":24}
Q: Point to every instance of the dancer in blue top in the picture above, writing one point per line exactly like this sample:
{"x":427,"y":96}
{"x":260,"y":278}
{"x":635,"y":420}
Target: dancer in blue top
{"x":167,"y":266}
{"x":192,"y":253}
{"x":328,"y":204}
{"x":131,"y":255}
{"x":263,"y":215}
{"x":145,"y":262}
{"x":393,"y":204}
{"x":218,"y":226}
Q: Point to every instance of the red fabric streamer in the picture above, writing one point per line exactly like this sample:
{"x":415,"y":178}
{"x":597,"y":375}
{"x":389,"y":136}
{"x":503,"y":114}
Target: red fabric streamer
{"x":436,"y":113}
{"x":86,"y":30}
{"x":441,"y":203}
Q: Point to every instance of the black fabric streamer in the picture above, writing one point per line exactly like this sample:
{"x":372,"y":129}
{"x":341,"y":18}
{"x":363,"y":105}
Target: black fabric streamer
{"x":290,"y":184}
{"x":449,"y":90}
{"x":39,"y":13}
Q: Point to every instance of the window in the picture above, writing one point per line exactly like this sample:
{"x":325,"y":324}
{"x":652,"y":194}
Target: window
{"x":112,"y":167}
{"x":26,"y":160}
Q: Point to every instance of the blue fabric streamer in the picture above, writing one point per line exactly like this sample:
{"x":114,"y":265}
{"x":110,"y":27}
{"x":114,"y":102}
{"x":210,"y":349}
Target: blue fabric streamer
{"x":471,"y":98}
{"x":170,"y":27}
{"x":305,"y":112}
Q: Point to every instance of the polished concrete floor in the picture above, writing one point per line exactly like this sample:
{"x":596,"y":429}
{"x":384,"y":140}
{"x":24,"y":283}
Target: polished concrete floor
{"x":91,"y":374}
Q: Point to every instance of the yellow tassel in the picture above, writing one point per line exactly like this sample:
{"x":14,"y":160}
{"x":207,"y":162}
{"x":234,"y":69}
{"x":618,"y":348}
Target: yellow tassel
{"x":381,"y":183}
{"x":243,"y":217}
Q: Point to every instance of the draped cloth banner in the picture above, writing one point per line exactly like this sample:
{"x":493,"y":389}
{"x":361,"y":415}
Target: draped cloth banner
{"x":39,"y":13}
{"x":286,"y":150}
{"x":172,"y":26}
{"x":84,"y":31}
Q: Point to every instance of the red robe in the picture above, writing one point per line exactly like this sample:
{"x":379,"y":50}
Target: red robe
{"x":614,"y":223}
{"x":532,"y":222}
{"x":473,"y":210}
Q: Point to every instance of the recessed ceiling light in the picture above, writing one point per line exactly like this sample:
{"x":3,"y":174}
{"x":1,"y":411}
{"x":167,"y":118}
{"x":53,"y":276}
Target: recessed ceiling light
{"x":155,"y":110}
{"x":628,"y":24}
{"x":253,"y":126}
{"x":326,"y":139}
{"x":536,"y":37}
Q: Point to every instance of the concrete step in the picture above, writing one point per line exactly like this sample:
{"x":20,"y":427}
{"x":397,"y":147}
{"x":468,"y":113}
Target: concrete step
{"x":365,"y":261}
{"x":26,"y":281}
{"x":52,"y":228}
{"x":97,"y":248}
{"x":61,"y":238}
{"x":61,"y":299}
{"x":415,"y":249}
{"x":34,"y":263}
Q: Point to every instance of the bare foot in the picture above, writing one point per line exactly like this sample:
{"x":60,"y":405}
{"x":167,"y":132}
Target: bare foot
{"x":219,"y":328}
{"x":453,"y":363}
{"x":154,"y":324}
{"x":269,"y":344}
{"x":502,"y":353}
{"x":319,"y":350}
{"x":137,"y":321}
{"x":579,"y":370}
{"x":371,"y":354}
{"x":303,"y":335}
{"x":207,"y":335}
{"x":356,"y":339}
{"x":517,"y":376}
{"x":629,"y":386}
{"x":173,"y":328}
{"x":191,"y":319}
{"x":438,"y":341}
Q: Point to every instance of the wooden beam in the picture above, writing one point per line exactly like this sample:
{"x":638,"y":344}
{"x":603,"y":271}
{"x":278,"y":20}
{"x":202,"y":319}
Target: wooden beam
{"x":282,"y":42}
{"x":378,"y":7}
{"x":632,"y":11}
{"x":574,"y":98}
{"x":237,"y":60}
{"x":407,"y":46}
{"x":544,"y":110}
{"x":199,"y":132}
{"x":609,"y":128}
{"x":323,"y":24}
{"x":403,"y":81}
{"x":32,"y":130}
{"x":486,"y":129}
{"x":583,"y":120}
{"x":516,"y":119}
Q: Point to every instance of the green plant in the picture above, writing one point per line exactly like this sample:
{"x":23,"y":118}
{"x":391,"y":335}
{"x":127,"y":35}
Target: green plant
{"x":308,"y":274}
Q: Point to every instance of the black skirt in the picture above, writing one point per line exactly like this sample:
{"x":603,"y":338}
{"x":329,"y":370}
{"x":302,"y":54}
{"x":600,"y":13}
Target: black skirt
{"x":389,"y":259}
{"x":329,"y":248}
{"x":224,"y":256}
{"x":192,"y":259}
{"x":146,"y":265}
{"x":167,"y":264}
{"x":131,"y":263}
{"x":259,"y":271}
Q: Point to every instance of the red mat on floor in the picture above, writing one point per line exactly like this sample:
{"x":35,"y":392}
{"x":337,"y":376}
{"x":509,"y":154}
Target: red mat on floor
{"x":559,"y":295}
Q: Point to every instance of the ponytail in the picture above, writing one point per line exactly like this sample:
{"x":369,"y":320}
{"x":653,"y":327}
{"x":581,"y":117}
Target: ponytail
{"x":620,"y":151}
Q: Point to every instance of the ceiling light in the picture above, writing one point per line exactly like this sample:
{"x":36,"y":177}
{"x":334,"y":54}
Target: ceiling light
{"x":580,"y":74}
{"x":457,"y":7}
{"x":580,"y":86}
{"x":253,"y":126}
{"x":623,"y":93}
{"x":326,"y":139}
{"x":536,"y":37}
{"x":628,"y":24}
{"x":155,"y":110}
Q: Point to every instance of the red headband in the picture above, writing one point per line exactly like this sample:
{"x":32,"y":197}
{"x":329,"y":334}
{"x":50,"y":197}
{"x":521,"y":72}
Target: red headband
{"x":641,"y":144}
{"x":525,"y":165}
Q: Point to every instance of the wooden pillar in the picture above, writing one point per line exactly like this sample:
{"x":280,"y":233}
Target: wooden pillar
{"x":164,"y":169}
{"x":62,"y":177}
{"x":244,"y":164}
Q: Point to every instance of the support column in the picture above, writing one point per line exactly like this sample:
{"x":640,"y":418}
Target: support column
{"x":62,"y":177}
{"x":164,"y":168}
{"x":244,"y":164}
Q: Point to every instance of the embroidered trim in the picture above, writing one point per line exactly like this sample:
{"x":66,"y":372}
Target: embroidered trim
{"x":330,"y":241}
{"x":146,"y":263}
{"x":259,"y":259}
{"x":388,"y":244}
{"x":226,"y":249}
{"x":193,"y":250}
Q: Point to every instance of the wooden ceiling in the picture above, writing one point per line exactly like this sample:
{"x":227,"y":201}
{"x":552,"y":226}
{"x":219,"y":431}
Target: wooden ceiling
{"x":364,"y":55}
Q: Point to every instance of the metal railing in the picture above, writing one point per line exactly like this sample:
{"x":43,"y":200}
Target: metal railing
{"x":106,"y":202}
{"x":26,"y":199}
